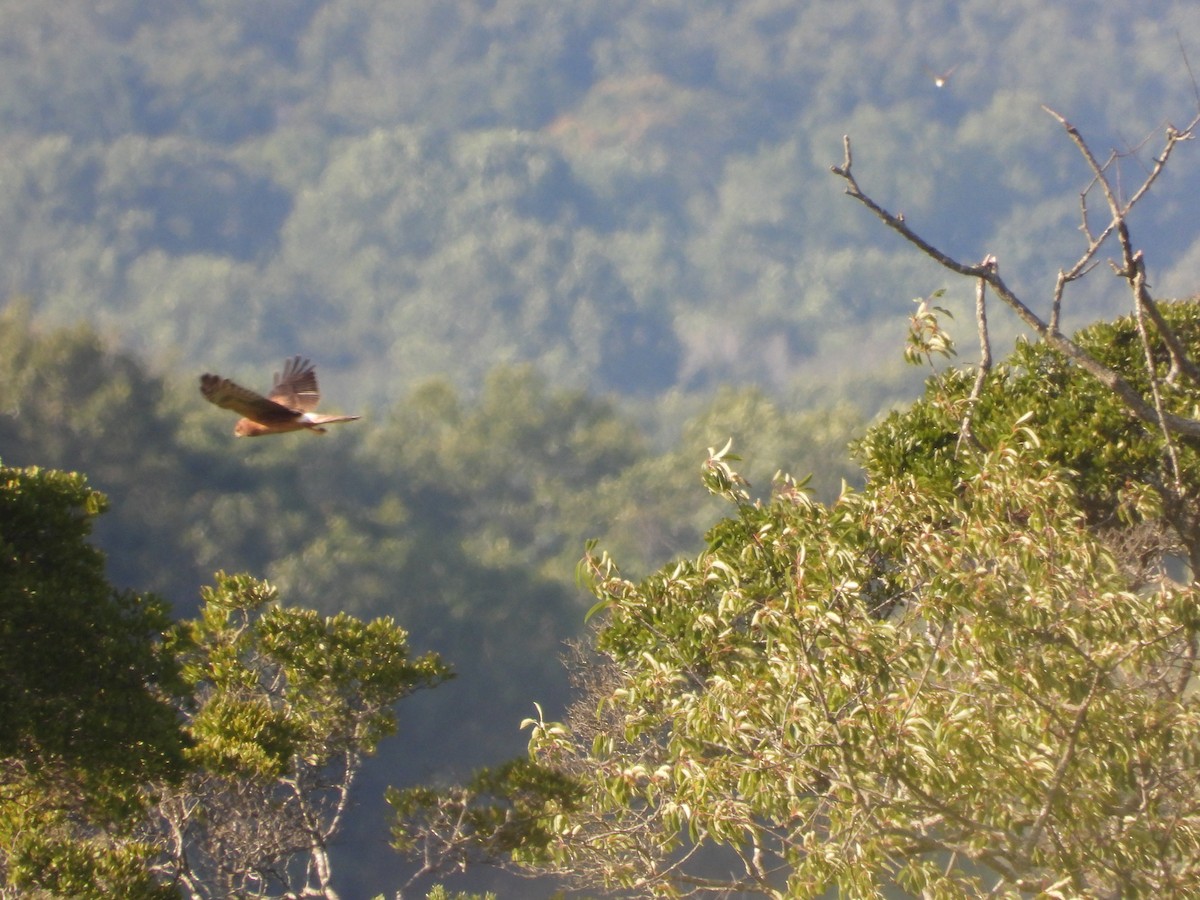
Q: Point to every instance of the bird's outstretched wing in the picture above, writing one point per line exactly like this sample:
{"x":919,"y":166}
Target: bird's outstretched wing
{"x":254,"y":406}
{"x":296,"y":388}
{"x":289,"y":406}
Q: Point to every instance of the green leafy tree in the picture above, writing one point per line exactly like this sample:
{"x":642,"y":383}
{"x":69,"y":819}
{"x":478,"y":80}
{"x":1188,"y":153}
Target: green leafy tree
{"x":1138,"y":491}
{"x":87,"y":717}
{"x":102,"y":792}
{"x":943,"y":686}
{"x":975,"y":676}
{"x":285,"y":704}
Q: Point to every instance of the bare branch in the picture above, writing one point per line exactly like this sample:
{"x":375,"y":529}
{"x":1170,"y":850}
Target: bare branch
{"x":896,"y":222}
{"x":1118,"y":211}
{"x":1098,"y":170}
{"x":988,"y":271}
{"x":1140,"y":315}
{"x":985,"y":362}
{"x":1134,"y":271}
{"x":1187,"y":65}
{"x":1121,"y":210}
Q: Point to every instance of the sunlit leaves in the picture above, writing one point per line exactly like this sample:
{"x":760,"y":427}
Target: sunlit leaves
{"x":275,"y":683}
{"x":926,"y":336}
{"x":284,"y":705}
{"x":852,"y":694}
{"x":1118,"y":465}
{"x":86,"y":718}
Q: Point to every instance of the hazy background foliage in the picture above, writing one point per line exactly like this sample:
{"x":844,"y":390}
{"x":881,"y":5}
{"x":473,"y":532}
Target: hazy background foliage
{"x":630,"y":194}
{"x":551,"y":251}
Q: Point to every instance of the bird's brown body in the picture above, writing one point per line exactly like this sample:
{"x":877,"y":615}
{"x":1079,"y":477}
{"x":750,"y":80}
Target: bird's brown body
{"x":289,"y":406}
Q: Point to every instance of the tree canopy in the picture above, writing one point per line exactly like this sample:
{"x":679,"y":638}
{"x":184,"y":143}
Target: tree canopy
{"x":141,"y":757}
{"x":952,"y":682}
{"x":1117,"y":467}
{"x":87,"y":717}
{"x":461,"y":516}
{"x":283,"y":707}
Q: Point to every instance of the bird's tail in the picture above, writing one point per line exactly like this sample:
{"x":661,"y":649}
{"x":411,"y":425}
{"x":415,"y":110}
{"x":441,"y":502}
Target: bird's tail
{"x":315,"y":421}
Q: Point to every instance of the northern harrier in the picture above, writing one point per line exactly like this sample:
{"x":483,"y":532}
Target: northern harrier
{"x":289,"y":406}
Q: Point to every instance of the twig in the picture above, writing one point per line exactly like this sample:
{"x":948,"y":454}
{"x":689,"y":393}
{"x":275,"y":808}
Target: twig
{"x":1187,"y":65}
{"x":1140,"y":313}
{"x":985,"y":362}
{"x":1060,"y":770}
{"x":1118,"y":212}
{"x":1134,"y":271}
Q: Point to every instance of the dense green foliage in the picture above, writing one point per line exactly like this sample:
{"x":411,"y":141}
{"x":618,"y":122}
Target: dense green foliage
{"x":86,"y":687}
{"x":1121,"y":469}
{"x":283,"y":707}
{"x":336,"y":678}
{"x":139,"y":757}
{"x":951,"y":682}
{"x":80,"y":669}
{"x":531,"y":241}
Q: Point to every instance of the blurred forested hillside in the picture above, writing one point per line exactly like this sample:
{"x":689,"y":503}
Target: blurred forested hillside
{"x":551,"y":250}
{"x":632,"y":194}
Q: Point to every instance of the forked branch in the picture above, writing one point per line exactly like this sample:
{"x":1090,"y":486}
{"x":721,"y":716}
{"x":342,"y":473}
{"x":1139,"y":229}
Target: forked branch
{"x":987,"y":272}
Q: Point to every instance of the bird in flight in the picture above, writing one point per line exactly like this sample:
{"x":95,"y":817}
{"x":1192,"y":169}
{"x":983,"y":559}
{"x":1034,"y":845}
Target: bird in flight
{"x":940,"y":78}
{"x":289,"y":406}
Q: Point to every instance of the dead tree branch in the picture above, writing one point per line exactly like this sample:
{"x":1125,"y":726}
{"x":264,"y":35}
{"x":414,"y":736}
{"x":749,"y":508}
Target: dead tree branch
{"x":988,"y":273}
{"x":985,"y":362}
{"x":1133,"y":269}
